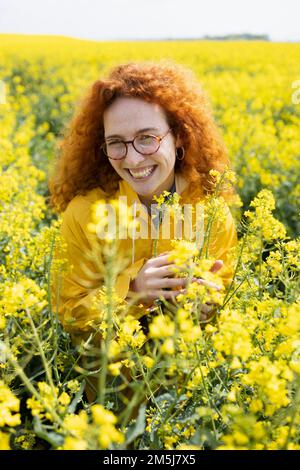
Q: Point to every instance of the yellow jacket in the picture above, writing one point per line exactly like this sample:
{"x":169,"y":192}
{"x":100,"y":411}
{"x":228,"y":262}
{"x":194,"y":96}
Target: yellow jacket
{"x":77,"y":290}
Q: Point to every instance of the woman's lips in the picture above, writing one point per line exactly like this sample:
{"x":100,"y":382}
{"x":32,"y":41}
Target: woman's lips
{"x":142,"y":173}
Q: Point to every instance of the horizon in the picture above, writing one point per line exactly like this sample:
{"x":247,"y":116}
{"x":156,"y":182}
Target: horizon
{"x":162,"y":39}
{"x":166,"y":19}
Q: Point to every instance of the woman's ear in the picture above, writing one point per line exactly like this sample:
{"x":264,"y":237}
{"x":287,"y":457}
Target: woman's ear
{"x":178,"y":141}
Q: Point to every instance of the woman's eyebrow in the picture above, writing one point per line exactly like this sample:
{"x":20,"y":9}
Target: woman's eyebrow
{"x":145,"y":129}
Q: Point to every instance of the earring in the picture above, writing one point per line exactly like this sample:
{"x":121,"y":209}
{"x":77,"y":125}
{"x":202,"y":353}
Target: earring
{"x":182,"y":153}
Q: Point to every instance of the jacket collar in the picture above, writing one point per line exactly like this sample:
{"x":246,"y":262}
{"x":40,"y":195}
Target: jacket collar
{"x":183,"y":188}
{"x":125,"y":189}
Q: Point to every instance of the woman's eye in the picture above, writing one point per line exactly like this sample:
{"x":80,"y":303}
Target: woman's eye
{"x":146,"y":139}
{"x":113,"y":143}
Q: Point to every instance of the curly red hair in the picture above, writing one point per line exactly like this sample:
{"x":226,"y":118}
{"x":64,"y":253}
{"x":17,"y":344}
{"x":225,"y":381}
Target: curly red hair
{"x":82,"y":165}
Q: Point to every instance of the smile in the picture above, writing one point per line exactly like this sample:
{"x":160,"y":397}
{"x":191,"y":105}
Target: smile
{"x":142,"y":173}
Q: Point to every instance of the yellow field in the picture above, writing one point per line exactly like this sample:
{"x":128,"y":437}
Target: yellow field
{"x":233,"y":383}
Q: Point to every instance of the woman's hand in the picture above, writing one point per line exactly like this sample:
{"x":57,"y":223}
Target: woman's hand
{"x":208,"y":308}
{"x":157,"y":274}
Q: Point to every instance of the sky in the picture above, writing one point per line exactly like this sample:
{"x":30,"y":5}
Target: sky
{"x":151,"y":19}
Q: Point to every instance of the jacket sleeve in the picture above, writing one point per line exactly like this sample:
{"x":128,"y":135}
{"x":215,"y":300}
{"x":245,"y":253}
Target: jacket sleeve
{"x":73,"y":290}
{"x":224,"y":245}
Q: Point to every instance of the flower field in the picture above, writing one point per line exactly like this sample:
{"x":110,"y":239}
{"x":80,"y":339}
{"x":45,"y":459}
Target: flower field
{"x":229,"y":383}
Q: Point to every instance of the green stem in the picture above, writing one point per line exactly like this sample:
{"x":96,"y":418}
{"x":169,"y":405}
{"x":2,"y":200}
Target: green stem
{"x":147,"y":382}
{"x":54,"y":324}
{"x":43,"y":357}
{"x":109,"y":282}
{"x":294,"y":412}
{"x":234,"y":274}
{"x":260,"y":266}
{"x":211,"y":219}
{"x":31,"y":388}
{"x":206,"y":392}
{"x":170,"y":409}
{"x":126,"y":414}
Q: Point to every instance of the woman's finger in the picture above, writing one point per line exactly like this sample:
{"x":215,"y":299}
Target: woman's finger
{"x":168,"y":282}
{"x":203,"y":316}
{"x":168,"y":270}
{"x":206,"y":283}
{"x":172,"y":294}
{"x":166,"y":294}
{"x":216,"y":266}
{"x":157,"y":294}
{"x":176,"y":282}
{"x":164,"y":253}
{"x":206,"y":309}
{"x":161,"y":261}
{"x":207,"y":312}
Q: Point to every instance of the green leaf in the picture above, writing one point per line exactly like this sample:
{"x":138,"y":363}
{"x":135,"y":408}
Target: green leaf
{"x":53,"y":438}
{"x":77,"y":398}
{"x":137,"y":428}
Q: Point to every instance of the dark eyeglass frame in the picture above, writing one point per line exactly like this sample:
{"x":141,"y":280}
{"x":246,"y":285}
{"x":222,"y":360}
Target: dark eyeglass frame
{"x":126,"y":142}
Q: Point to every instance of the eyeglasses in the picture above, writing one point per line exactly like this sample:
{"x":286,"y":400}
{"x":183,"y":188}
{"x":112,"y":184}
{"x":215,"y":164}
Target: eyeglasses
{"x":145,"y":144}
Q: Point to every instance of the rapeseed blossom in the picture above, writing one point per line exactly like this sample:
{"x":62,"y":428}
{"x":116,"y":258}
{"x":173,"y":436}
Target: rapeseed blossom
{"x":9,"y":407}
{"x":230,"y":383}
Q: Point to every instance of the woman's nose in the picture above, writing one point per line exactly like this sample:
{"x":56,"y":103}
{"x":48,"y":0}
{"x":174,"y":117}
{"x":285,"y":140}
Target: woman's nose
{"x":133,"y":157}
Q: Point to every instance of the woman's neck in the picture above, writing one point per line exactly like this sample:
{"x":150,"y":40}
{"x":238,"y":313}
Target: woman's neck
{"x":147,"y":201}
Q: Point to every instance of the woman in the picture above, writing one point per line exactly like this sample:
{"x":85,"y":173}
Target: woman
{"x":146,"y":129}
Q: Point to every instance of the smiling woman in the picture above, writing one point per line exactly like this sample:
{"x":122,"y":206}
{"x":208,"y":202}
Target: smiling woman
{"x":147,"y":165}
{"x":146,"y":129}
{"x":159,"y":95}
{"x":145,"y":144}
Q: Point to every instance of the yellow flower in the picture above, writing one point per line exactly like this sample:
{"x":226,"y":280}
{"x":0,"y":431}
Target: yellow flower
{"x":161,"y":327}
{"x":102,"y":416}
{"x":168,"y":346}
{"x":72,"y":443}
{"x":210,"y":328}
{"x":169,"y":441}
{"x":4,"y":441}
{"x":130,"y":333}
{"x":269,"y":377}
{"x":128,"y":363}
{"x":64,"y":399}
{"x":233,"y":337}
{"x":109,"y":434}
{"x":9,"y":407}
{"x":148,"y":361}
{"x":26,"y":441}
{"x":77,"y":424}
{"x":216,"y":174}
{"x":256,"y":405}
{"x":114,"y":349}
{"x":262,"y":220}
{"x":183,"y":252}
{"x":115,"y":368}
{"x":235,"y":363}
{"x":188,"y":447}
{"x":73,"y":386}
{"x":295,"y":367}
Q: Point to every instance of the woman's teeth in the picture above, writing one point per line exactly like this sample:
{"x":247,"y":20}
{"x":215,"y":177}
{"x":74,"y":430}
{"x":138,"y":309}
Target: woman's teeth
{"x":142,"y":173}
